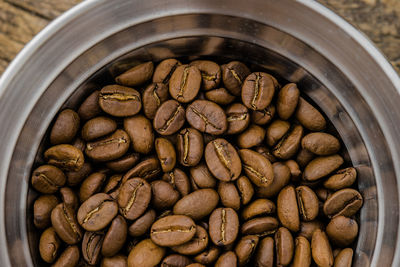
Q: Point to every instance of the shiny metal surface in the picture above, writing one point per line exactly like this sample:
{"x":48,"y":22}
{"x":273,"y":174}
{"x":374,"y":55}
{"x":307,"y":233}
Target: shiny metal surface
{"x":299,"y":41}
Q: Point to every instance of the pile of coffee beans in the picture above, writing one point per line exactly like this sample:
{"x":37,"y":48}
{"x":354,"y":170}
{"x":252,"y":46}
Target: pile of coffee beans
{"x":195,"y":164}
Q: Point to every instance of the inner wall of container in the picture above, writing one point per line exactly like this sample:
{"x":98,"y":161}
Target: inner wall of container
{"x":258,"y":58}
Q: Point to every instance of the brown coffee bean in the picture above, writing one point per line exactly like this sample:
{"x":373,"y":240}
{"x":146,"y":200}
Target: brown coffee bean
{"x":309,"y":116}
{"x":307,"y":228}
{"x":65,"y":127}
{"x":201,"y":177}
{"x":259,"y":207}
{"x":233,"y":75}
{"x":97,"y":212}
{"x":120,"y":101}
{"x":342,"y":231}
{"x":142,"y":224}
{"x":260,"y":226}
{"x":210,"y":73}
{"x":134,"y":198}
{"x":116,"y":261}
{"x":321,"y":167}
{"x":145,"y":254}
{"x":321,"y":144}
{"x":91,"y":247}
{"x":257,"y":167}
{"x":137,"y":75}
{"x":75,"y":177}
{"x":294,"y":168}
{"x":172,"y":230}
{"x":221,"y":96}
{"x":169,"y":118}
{"x":288,"y":146}
{"x":223,"y":160}
{"x":148,"y":169}
{"x":341,"y":179}
{"x":308,"y":203}
{"x":113,"y":186}
{"x":164,"y":195}
{"x":288,"y":97}
{"x":276,"y":130}
{"x":206,"y":116}
{"x":66,"y":157}
{"x":287,"y":209}
{"x":246,"y":190}
{"x":252,"y":136}
{"x":284,"y":246}
{"x":166,"y":154}
{"x":304,"y":157}
{"x":42,"y":208}
{"x":302,"y":254}
{"x":69,"y":257}
{"x":344,"y":202}
{"x":185,"y":83}
{"x":228,"y":259}
{"x":49,"y":245}
{"x":224,"y":226}
{"x":65,"y":224}
{"x":153,"y":96}
{"x":79,"y":144}
{"x":47,"y":179}
{"x":69,"y":198}
{"x":265,"y":253}
{"x":196,"y":245}
{"x":321,"y":249}
{"x":98,"y":127}
{"x":281,"y":179}
{"x":123,"y":163}
{"x":190,"y":147}
{"x":238,"y":118}
{"x":197,"y":204}
{"x":90,"y":107}
{"x":245,"y":249}
{"x":176,"y":260}
{"x":115,"y":237}
{"x":258,"y":90}
{"x":91,"y":185}
{"x":164,"y":70}
{"x":140,"y":131}
{"x":208,"y":256}
{"x":179,"y":181}
{"x":264,"y":116}
{"x":344,"y":258}
{"x":229,"y":195}
{"x":108,"y":148}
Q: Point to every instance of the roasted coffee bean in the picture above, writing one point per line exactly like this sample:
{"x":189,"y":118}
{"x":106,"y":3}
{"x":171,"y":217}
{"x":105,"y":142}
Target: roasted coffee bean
{"x":344,"y":202}
{"x":304,"y":157}
{"x":207,"y":117}
{"x":224,"y":226}
{"x":233,"y":75}
{"x":164,"y":196}
{"x":229,"y":195}
{"x":173,"y":230}
{"x":265,"y":253}
{"x":66,"y":157}
{"x":166,"y":154}
{"x":344,"y":258}
{"x":179,"y":181}
{"x":342,"y":231}
{"x":76,"y":177}
{"x":245,"y":249}
{"x":115,"y":237}
{"x":294,"y":168}
{"x":69,"y":257}
{"x":196,"y":245}
{"x":210,"y":73}
{"x":238,"y":118}
{"x":113,"y":186}
{"x":98,"y":127}
{"x":307,"y":201}
{"x":321,"y":144}
{"x":90,"y":107}
{"x":284,"y":246}
{"x":321,"y":249}
{"x":97,"y":212}
{"x":288,"y":97}
{"x":120,"y":101}
{"x":134,"y":198}
{"x":137,"y":75}
{"x":153,"y":96}
{"x":341,"y":179}
{"x":281,"y":179}
{"x":140,"y":131}
{"x":276,"y":130}
{"x":116,"y":261}
{"x":264,"y":116}
{"x":91,"y":247}
{"x":42,"y":208}
{"x":257,"y":167}
{"x":123,"y":163}
{"x":49,"y":245}
{"x":246,"y":190}
{"x":302,"y":254}
{"x":185,"y":83}
{"x":289,"y":144}
{"x":47,"y":179}
{"x":221,"y":96}
{"x":253,"y":136}
{"x":190,"y":147}
{"x":169,"y":118}
{"x":201,"y":177}
{"x":164,"y":70}
{"x":91,"y":185}
{"x":258,"y":90}
{"x":65,"y":127}
{"x":287,"y":209}
{"x":223,"y":160}
{"x":69,"y":197}
{"x":260,"y":226}
{"x":197,"y":204}
{"x":147,"y":169}
{"x":65,"y":224}
{"x":79,"y":144}
{"x":321,"y":167}
{"x":228,"y":259}
{"x":208,"y":256}
{"x":309,"y":116}
{"x":108,"y":148}
{"x":259,"y":207}
{"x":142,"y":224}
{"x":176,"y":260}
{"x":146,"y":254}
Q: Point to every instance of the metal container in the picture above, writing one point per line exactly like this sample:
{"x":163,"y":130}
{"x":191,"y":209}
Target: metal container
{"x":300,"y":41}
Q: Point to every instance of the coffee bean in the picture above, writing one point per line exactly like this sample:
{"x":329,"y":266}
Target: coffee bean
{"x":185,"y":83}
{"x":49,"y":245}
{"x":179,"y":180}
{"x":120,"y":101}
{"x":134,"y":198}
{"x":153,"y":96}
{"x":108,"y":148}
{"x":307,"y":201}
{"x":164,"y":195}
{"x":257,"y":167}
{"x":91,"y":185}
{"x":304,"y":157}
{"x":344,"y":202}
{"x":147,"y":169}
{"x":344,"y":258}
{"x":252,"y":136}
{"x":276,"y":130}
{"x":259,"y":207}
{"x":65,"y":224}
{"x":137,"y":75}
{"x":302,"y":254}
{"x":190,"y":147}
{"x":47,"y":179}
{"x":284,"y":246}
{"x":65,"y":127}
{"x":66,"y":157}
{"x":42,"y":208}
{"x":201,"y":177}
{"x":224,"y":226}
{"x":229,"y":195}
{"x":115,"y":237}
{"x":206,"y":116}
{"x":169,"y":118}
{"x":288,"y":97}
{"x":258,"y":90}
{"x":166,"y":154}
{"x":197,"y":204}
{"x":140,"y":131}
{"x":228,"y":259}
{"x":288,"y":212}
{"x":210,"y":73}
{"x":146,"y":254}
{"x":309,"y":116}
{"x":221,"y":96}
{"x":245,"y":249}
{"x":196,"y":245}
{"x":260,"y":226}
{"x":265,"y":253}
{"x":321,"y":167}
{"x":91,"y":247}
{"x":208,"y":256}
{"x":76,"y":177}
{"x":116,"y":261}
{"x":173,"y":230}
{"x":289,"y":144}
{"x":164,"y":70}
{"x":176,"y":260}
{"x":320,"y":249}
{"x":98,"y":127}
{"x":246,"y":190}
{"x":142,"y":224}
{"x":342,"y":231}
{"x":69,"y":257}
{"x":321,"y":144}
{"x":238,"y":118}
{"x":123,"y":163}
{"x":264,"y":116}
{"x":90,"y":107}
{"x":281,"y":179}
{"x":341,"y":179}
{"x":113,"y":186}
{"x":222,"y":160}
{"x":233,"y":76}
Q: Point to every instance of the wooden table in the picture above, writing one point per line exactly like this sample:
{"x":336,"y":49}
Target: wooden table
{"x":20,"y":20}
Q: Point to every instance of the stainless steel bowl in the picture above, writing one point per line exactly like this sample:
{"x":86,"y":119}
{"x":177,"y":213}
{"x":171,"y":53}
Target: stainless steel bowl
{"x":300,"y":41}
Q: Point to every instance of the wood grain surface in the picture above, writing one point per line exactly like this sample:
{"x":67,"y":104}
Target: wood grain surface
{"x":21,"y":20}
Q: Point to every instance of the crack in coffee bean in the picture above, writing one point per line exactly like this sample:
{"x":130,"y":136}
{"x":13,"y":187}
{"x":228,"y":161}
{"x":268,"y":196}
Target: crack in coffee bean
{"x":220,"y":151}
{"x":92,"y":212}
{"x":120,"y":140}
{"x":119,"y":97}
{"x":237,"y":117}
{"x":256,"y":91}
{"x":262,"y":178}
{"x":223,"y":222}
{"x":170,"y":120}
{"x":47,"y":180}
{"x":131,"y":199}
{"x":236,"y":76}
{"x":166,"y":79}
{"x":208,"y":77}
{"x":174,"y":229}
{"x":204,"y":118}
{"x":155,"y":95}
{"x":70,"y":221}
{"x":186,"y":146}
{"x":183,"y":82}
